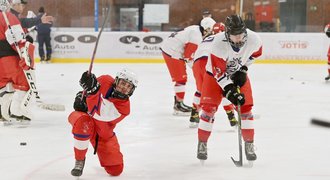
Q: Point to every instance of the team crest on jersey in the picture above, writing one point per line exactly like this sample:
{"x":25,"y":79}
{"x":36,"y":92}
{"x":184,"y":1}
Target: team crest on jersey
{"x":233,"y":65}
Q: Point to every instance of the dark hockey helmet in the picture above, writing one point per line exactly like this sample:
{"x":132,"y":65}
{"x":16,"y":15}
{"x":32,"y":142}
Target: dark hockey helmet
{"x":235,"y":26}
{"x":127,"y":77}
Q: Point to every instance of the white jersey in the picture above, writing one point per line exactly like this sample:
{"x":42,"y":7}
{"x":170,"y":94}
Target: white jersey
{"x":175,"y":44}
{"x":224,"y":61}
{"x":204,"y":48}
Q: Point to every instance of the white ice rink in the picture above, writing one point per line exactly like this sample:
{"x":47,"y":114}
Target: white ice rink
{"x":157,"y":145}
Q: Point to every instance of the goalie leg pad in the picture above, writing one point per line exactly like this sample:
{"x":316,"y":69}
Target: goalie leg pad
{"x":5,"y":100}
{"x":27,"y":52}
{"x":17,"y":103}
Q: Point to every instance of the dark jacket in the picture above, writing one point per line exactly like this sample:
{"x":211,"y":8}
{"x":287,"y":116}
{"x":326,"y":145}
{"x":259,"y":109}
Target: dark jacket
{"x":27,"y":22}
{"x":44,"y":28}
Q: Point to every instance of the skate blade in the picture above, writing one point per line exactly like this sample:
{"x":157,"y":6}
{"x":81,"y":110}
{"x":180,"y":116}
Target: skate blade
{"x":202,"y":162}
{"x":193,"y":125}
{"x":17,"y":124}
{"x":6,"y":123}
{"x":180,"y":113}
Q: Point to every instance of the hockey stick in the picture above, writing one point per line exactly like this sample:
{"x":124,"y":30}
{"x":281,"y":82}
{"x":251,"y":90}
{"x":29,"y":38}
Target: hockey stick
{"x":239,"y":163}
{"x":97,"y":40}
{"x":91,"y":66}
{"x":320,"y":122}
{"x":30,"y":77}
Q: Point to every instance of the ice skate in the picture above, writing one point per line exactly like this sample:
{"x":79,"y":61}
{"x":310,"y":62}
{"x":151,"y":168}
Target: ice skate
{"x":78,"y":168}
{"x":202,"y":151}
{"x":180,"y":109}
{"x":327,"y":78}
{"x":48,"y":59}
{"x":42,"y":59}
{"x":231,"y":117}
{"x":249,"y":151}
{"x":194,"y":118}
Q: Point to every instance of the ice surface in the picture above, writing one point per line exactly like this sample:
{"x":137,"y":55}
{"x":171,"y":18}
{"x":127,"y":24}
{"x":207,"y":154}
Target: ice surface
{"x":157,"y":145}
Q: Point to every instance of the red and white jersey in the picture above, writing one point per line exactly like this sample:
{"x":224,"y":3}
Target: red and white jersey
{"x":104,"y":108}
{"x":224,"y":61}
{"x":8,"y":37}
{"x":204,"y":48}
{"x":183,"y":44}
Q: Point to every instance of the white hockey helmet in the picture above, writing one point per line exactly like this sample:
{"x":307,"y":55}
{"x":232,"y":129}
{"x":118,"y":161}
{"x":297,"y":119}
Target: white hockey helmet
{"x":128,"y":76}
{"x":4,"y":5}
{"x":207,"y":23}
{"x":19,"y":1}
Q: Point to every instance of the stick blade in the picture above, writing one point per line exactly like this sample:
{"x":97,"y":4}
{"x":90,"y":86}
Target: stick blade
{"x":52,"y":107}
{"x":237,"y":163}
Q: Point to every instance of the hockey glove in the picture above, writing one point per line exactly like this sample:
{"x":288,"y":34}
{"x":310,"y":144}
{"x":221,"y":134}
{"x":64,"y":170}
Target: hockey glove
{"x":89,"y":83}
{"x":80,"y":103}
{"x":232,"y":94}
{"x":239,"y":77}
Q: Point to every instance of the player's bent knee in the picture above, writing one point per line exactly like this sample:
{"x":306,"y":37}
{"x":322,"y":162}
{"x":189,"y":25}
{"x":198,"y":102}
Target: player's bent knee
{"x":81,"y":122}
{"x":114,"y":170}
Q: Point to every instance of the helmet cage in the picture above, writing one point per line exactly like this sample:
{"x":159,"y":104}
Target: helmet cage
{"x":119,"y":94}
{"x":235,"y":26}
{"x":127,"y":76}
{"x":237,"y":44}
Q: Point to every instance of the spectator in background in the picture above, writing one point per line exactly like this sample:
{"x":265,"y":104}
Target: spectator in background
{"x":43,"y":38}
{"x":206,"y":13}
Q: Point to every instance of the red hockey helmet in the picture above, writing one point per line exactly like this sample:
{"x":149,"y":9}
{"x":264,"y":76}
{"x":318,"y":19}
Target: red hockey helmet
{"x":327,"y":30}
{"x":219,"y":27}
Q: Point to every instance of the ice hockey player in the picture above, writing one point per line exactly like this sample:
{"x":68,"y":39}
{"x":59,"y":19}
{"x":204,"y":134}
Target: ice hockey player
{"x":327,"y":32}
{"x":178,"y":50}
{"x":95,"y":117}
{"x":206,"y":13}
{"x":232,"y":53}
{"x":13,"y":83}
{"x":200,"y":60}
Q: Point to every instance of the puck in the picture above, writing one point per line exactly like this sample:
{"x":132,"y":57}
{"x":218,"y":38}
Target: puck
{"x":23,"y":143}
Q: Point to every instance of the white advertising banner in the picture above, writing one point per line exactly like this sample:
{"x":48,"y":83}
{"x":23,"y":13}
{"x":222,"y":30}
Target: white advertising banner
{"x":144,"y":46}
{"x":294,"y":46}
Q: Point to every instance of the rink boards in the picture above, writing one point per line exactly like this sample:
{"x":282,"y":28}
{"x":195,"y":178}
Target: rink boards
{"x":143,"y":47}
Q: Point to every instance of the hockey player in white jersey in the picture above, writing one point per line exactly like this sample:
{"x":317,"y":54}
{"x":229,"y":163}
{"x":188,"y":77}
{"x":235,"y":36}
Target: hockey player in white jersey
{"x":232,"y":53}
{"x":201,"y":57}
{"x":178,"y":50}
